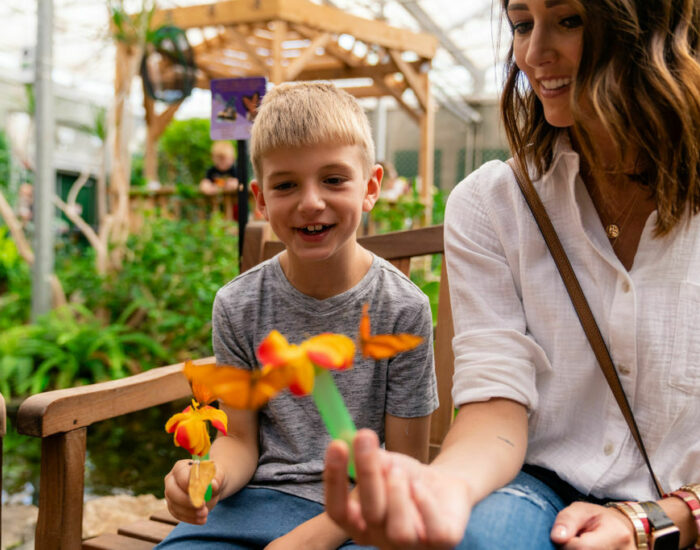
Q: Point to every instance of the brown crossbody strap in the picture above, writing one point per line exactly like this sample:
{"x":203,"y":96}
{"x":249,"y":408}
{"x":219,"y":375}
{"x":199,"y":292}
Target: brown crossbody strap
{"x":583,"y":310}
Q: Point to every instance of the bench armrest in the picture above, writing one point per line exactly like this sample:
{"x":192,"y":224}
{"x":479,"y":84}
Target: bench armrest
{"x":61,"y":411}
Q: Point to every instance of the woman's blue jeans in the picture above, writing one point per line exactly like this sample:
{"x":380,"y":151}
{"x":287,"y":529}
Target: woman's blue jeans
{"x":247,"y":520}
{"x":520,"y":515}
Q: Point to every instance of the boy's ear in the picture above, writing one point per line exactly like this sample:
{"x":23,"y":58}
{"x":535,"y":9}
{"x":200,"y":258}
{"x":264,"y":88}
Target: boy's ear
{"x":256,"y":188}
{"x":374,"y":185}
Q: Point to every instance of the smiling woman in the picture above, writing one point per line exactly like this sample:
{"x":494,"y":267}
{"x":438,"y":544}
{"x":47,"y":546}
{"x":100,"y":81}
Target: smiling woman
{"x":602,"y":111}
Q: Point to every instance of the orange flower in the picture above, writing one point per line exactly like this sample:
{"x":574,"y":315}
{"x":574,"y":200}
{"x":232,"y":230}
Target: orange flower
{"x":190,"y":427}
{"x":237,"y":387}
{"x":328,"y":351}
{"x":383,"y":346}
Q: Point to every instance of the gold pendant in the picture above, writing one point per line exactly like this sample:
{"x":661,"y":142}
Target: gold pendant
{"x":613,"y":231}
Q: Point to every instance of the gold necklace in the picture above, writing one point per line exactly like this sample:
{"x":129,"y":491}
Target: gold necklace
{"x":613,"y":229}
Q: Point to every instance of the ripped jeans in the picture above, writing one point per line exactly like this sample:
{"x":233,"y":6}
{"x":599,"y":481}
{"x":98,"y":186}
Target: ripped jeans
{"x":520,"y":515}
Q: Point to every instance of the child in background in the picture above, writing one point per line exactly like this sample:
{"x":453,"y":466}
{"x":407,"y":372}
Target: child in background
{"x":313,"y":156}
{"x":222,"y":175}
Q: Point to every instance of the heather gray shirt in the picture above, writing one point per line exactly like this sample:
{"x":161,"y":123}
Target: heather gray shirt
{"x":292,"y":436}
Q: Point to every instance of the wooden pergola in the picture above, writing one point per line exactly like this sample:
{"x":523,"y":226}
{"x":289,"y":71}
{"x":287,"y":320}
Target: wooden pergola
{"x":287,"y":40}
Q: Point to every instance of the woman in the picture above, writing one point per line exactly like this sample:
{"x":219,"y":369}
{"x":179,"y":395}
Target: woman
{"x":602,"y":104}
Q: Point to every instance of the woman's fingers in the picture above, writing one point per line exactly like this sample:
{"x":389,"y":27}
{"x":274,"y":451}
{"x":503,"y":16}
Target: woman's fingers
{"x":335,"y":481}
{"x":588,"y":526}
{"x":402,"y":524}
{"x":370,"y":477}
{"x":442,"y":508}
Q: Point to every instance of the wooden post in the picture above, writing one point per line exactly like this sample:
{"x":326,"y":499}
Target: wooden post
{"x":155,"y":126}
{"x":59,"y":525}
{"x":426,"y":157}
{"x":278,"y":36}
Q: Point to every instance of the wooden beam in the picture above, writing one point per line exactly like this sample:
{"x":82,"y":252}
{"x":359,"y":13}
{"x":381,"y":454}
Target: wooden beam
{"x":296,"y":66}
{"x":412,"y":78}
{"x":426,"y":157}
{"x":324,"y":18}
{"x":279,"y":34}
{"x":248,"y":49}
{"x":398,"y":96}
{"x":364,"y":91}
{"x":208,"y":44}
{"x":155,"y":126}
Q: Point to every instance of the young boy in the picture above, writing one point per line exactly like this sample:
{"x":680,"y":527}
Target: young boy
{"x":312,"y":152}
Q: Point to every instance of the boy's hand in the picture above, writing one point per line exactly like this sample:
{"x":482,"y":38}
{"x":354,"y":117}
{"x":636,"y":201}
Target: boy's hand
{"x":178,"y":499}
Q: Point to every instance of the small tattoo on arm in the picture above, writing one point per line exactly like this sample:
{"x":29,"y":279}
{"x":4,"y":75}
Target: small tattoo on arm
{"x":506,"y":441}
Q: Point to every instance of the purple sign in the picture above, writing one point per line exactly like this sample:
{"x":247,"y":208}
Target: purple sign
{"x":234,"y":104}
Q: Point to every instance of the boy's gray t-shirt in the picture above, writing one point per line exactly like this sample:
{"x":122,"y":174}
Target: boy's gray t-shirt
{"x":292,"y":436}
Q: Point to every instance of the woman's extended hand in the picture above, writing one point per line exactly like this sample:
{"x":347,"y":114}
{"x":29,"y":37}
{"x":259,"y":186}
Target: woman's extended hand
{"x":178,"y":499}
{"x":588,"y":526}
{"x":400,"y":503}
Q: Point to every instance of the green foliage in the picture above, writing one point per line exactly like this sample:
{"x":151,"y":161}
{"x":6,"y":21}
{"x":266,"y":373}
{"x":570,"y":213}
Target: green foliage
{"x":66,"y":347}
{"x":132,"y":29}
{"x":397,"y":215}
{"x":167,"y":284}
{"x":15,"y":283}
{"x":184,"y":151}
{"x":5,"y":162}
{"x":155,"y":311}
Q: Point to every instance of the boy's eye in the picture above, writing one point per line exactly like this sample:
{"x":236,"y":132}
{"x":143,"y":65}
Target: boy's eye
{"x":334,"y":180}
{"x":282,"y":186}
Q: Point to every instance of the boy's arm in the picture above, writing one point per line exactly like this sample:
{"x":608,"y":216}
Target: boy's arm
{"x":409,"y":436}
{"x":236,"y":454}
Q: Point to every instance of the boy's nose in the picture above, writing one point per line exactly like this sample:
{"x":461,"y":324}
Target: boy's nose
{"x":311,"y":199}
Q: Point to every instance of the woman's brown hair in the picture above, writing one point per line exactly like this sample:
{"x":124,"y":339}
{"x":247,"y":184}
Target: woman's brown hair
{"x":640,"y":75}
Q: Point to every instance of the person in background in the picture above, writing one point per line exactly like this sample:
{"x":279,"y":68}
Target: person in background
{"x":602,"y":109}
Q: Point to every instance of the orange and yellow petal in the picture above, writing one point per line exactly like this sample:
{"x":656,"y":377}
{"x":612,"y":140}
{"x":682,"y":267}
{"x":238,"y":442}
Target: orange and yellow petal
{"x":276,"y":351}
{"x":330,"y":351}
{"x":217,"y":418}
{"x":301,"y":375}
{"x":191,"y":433}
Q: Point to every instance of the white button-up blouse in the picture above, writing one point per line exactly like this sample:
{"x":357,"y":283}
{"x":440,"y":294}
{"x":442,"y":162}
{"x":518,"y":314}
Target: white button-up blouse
{"x":517,"y":335}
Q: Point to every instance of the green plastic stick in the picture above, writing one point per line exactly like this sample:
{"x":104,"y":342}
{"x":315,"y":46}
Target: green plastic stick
{"x":333,"y":411}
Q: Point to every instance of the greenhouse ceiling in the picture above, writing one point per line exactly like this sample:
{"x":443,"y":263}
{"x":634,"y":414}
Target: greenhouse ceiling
{"x":464,"y":68}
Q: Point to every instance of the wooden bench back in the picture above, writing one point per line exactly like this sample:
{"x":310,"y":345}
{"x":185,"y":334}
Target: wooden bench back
{"x":61,"y":417}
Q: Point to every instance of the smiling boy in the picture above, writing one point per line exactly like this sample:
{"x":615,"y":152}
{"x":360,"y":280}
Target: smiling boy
{"x":313,"y":156}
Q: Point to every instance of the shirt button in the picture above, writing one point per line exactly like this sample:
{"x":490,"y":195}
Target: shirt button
{"x":608,"y":449}
{"x":625,"y":286}
{"x":624,"y":369}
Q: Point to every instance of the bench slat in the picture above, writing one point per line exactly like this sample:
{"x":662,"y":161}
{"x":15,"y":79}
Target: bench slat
{"x":164,"y":517}
{"x":116,"y":542}
{"x":152,"y":531}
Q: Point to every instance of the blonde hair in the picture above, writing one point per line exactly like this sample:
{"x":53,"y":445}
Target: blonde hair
{"x":300,"y":114}
{"x":640,"y":70}
{"x":223,"y":147}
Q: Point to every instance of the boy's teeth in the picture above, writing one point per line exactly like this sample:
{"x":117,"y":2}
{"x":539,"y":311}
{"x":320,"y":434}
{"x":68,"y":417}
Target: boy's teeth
{"x":316,"y":227}
{"x":555,"y":83}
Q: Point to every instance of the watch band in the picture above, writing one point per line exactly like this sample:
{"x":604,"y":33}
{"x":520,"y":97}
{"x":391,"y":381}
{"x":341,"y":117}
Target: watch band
{"x":664,"y":533}
{"x":693,"y":502}
{"x":641,"y":514}
{"x":639,"y":532}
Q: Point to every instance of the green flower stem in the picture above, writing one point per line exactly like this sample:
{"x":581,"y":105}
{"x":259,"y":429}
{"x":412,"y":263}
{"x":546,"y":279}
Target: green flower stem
{"x":333,"y":411}
{"x":207,"y":494}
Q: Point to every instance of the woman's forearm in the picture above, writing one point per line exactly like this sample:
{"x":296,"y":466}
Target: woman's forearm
{"x":485,"y":446}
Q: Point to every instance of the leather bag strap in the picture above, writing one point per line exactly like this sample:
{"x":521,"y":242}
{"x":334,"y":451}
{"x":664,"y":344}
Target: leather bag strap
{"x":583,"y":310}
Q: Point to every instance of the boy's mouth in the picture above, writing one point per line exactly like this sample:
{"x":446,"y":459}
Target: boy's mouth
{"x":314,"y":229}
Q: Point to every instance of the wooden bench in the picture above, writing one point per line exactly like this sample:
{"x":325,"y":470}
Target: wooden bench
{"x":61,"y":418}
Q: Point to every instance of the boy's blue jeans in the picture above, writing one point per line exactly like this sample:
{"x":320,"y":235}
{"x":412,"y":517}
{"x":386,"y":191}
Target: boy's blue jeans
{"x":247,"y":520}
{"x":520,"y":515}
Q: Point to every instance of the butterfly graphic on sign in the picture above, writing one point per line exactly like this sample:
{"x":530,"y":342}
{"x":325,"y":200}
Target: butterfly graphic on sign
{"x":251,"y":104}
